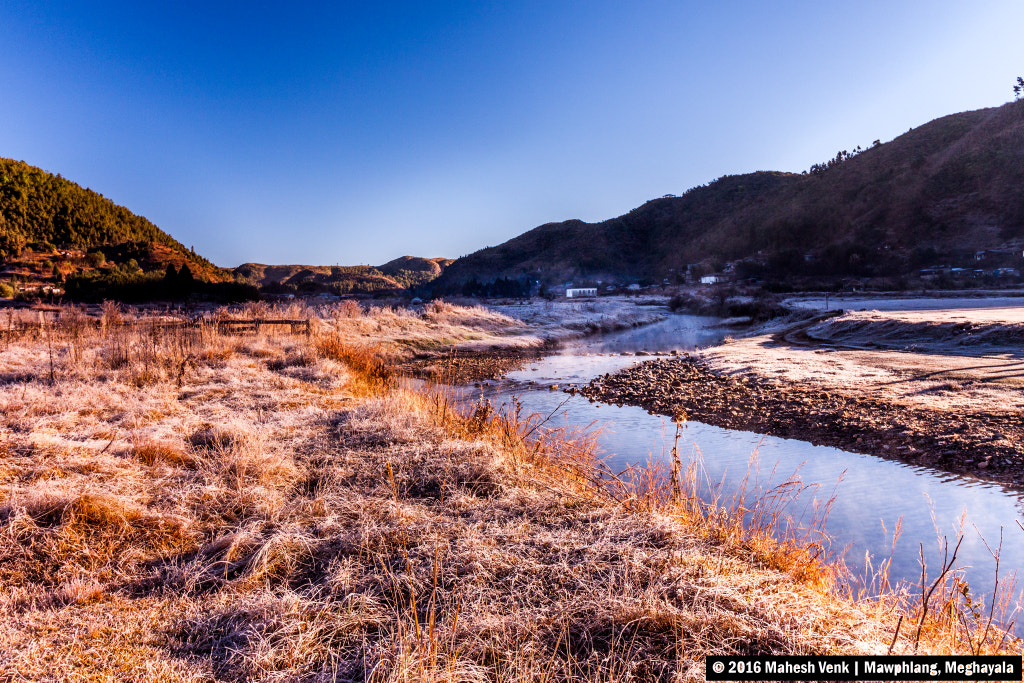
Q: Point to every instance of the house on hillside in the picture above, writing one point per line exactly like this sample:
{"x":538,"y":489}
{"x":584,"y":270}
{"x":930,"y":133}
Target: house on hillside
{"x":578,"y":292}
{"x":710,"y":279}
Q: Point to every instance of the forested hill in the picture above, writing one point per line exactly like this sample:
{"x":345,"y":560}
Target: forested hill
{"x":948,"y":187}
{"x":41,"y":208}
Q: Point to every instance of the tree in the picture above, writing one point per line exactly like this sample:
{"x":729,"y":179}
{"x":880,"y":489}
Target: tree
{"x":185,"y":275}
{"x":1018,"y":89}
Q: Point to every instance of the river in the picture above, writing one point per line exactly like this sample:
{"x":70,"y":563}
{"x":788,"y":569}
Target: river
{"x":872,"y":496}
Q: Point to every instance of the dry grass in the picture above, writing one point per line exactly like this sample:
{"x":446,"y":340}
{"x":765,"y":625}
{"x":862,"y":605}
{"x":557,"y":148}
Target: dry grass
{"x":371,"y":372}
{"x":400,"y":333}
{"x":284,"y":509}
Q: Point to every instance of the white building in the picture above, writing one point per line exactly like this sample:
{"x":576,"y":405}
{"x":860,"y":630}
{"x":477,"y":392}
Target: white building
{"x":577,"y":292}
{"x":709,"y":279}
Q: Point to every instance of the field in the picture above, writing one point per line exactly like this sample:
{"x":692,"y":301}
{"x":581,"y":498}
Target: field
{"x":177,"y":503}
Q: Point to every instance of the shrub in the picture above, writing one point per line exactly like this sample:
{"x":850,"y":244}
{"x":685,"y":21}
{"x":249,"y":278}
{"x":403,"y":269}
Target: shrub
{"x":89,"y":509}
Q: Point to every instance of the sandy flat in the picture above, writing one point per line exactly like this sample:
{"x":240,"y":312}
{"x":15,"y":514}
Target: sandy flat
{"x":951,"y":359}
{"x":855,"y":302}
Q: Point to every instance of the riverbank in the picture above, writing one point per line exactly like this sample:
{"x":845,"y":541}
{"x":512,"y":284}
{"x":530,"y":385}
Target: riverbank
{"x":940,"y":389}
{"x":541,"y":326}
{"x":194,"y":506}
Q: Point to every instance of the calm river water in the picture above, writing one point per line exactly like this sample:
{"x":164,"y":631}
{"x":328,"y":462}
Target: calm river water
{"x":871,"y":495}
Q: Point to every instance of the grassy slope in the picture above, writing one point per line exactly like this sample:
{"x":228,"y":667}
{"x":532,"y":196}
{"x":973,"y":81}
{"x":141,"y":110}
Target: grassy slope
{"x":954,"y":183}
{"x":195,"y":507}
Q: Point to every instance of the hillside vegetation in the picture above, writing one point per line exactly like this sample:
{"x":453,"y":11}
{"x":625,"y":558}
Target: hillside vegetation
{"x":402,"y":273}
{"x":412,"y":271}
{"x":55,"y":234}
{"x":40,"y":208}
{"x":947,"y":188}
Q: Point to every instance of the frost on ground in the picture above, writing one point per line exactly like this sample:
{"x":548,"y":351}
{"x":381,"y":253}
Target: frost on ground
{"x":952,"y":359}
{"x":562,"y":319}
{"x":182,"y":505}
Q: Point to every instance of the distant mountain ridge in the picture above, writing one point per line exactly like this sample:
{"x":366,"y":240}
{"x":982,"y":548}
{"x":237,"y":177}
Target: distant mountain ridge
{"x":430,"y":268}
{"x":954,"y":184}
{"x":402,"y":273}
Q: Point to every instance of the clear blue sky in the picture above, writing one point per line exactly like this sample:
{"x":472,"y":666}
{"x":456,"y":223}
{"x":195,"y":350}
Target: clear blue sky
{"x":358,"y":132}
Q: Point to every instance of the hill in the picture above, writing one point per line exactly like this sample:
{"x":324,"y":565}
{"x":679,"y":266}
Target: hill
{"x":412,"y":271}
{"x":42,"y":209}
{"x":402,"y":273}
{"x":54,"y":231}
{"x":304,"y":279}
{"x":938,"y":193}
{"x":58,"y":238}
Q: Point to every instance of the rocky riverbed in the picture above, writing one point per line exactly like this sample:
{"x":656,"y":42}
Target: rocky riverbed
{"x":986,"y":445}
{"x":471,"y":366}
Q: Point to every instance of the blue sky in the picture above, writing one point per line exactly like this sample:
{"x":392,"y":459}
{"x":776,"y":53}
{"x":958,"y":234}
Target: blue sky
{"x":353,"y":133}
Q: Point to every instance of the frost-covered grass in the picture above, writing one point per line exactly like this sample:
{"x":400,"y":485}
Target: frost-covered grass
{"x":191,"y":506}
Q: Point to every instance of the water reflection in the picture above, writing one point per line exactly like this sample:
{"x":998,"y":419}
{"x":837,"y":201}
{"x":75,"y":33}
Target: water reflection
{"x":872,"y":495}
{"x":677,"y":332}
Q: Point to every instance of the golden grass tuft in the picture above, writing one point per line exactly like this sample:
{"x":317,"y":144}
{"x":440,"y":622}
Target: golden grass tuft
{"x":212,"y":437}
{"x":368,"y":363}
{"x":156,"y":452}
{"x":89,"y":509}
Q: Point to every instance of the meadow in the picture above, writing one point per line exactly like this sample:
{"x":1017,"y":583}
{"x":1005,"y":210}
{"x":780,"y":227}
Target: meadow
{"x":180,"y":503}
